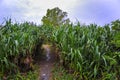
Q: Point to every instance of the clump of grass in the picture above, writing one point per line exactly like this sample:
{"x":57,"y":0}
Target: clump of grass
{"x":60,"y":73}
{"x":30,"y":75}
{"x":25,"y":76}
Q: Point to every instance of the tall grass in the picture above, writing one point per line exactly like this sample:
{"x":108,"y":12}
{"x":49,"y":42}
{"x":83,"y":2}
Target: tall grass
{"x":87,"y":50}
{"x":16,"y":40}
{"x":91,"y":52}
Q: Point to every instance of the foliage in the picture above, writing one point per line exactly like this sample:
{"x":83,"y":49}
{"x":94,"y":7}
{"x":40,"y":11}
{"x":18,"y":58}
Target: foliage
{"x":87,"y":50}
{"x":90,"y":51}
{"x":55,"y":17}
{"x":27,"y":76}
{"x":59,"y":73}
{"x":17,"y":43}
{"x":116,"y":28}
{"x":116,"y":25}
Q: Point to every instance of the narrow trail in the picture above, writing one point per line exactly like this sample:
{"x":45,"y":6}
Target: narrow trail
{"x":46,"y":63}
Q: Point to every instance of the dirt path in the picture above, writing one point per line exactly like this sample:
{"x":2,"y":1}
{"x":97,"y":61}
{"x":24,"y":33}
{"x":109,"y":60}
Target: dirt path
{"x":46,"y":63}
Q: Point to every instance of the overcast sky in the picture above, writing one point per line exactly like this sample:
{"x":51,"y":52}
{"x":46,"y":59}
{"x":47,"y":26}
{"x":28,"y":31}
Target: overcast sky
{"x":86,"y":11}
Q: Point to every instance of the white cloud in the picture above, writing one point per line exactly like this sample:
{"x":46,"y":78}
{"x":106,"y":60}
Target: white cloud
{"x":89,"y":11}
{"x":31,"y":9}
{"x":98,"y":11}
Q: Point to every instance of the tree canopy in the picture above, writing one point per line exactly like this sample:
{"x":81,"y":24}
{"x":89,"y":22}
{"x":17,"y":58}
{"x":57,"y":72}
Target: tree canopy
{"x":55,"y":17}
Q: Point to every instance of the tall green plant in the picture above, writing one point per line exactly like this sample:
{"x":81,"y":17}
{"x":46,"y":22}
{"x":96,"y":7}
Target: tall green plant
{"x":16,"y":40}
{"x":87,"y":50}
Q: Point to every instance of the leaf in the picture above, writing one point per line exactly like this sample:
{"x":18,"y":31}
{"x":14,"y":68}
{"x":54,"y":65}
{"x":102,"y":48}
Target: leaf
{"x":95,"y":71}
{"x":6,"y":62}
{"x":104,"y":60}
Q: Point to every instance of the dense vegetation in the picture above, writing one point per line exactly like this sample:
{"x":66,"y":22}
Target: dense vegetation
{"x":93,"y":52}
{"x":87,"y":51}
{"x":55,"y":17}
{"x":17,"y":45}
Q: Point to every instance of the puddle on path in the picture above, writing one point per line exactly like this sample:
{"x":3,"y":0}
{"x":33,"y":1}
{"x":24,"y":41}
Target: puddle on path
{"x":47,"y":63}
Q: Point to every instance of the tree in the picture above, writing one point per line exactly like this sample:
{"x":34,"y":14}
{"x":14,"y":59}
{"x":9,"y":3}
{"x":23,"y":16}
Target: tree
{"x":55,"y":17}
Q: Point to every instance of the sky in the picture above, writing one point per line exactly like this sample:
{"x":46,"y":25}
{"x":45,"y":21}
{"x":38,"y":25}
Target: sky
{"x":100,"y":12}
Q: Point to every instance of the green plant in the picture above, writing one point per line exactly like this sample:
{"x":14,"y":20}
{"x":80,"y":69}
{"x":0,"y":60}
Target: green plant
{"x":87,"y":50}
{"x":17,"y":43}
